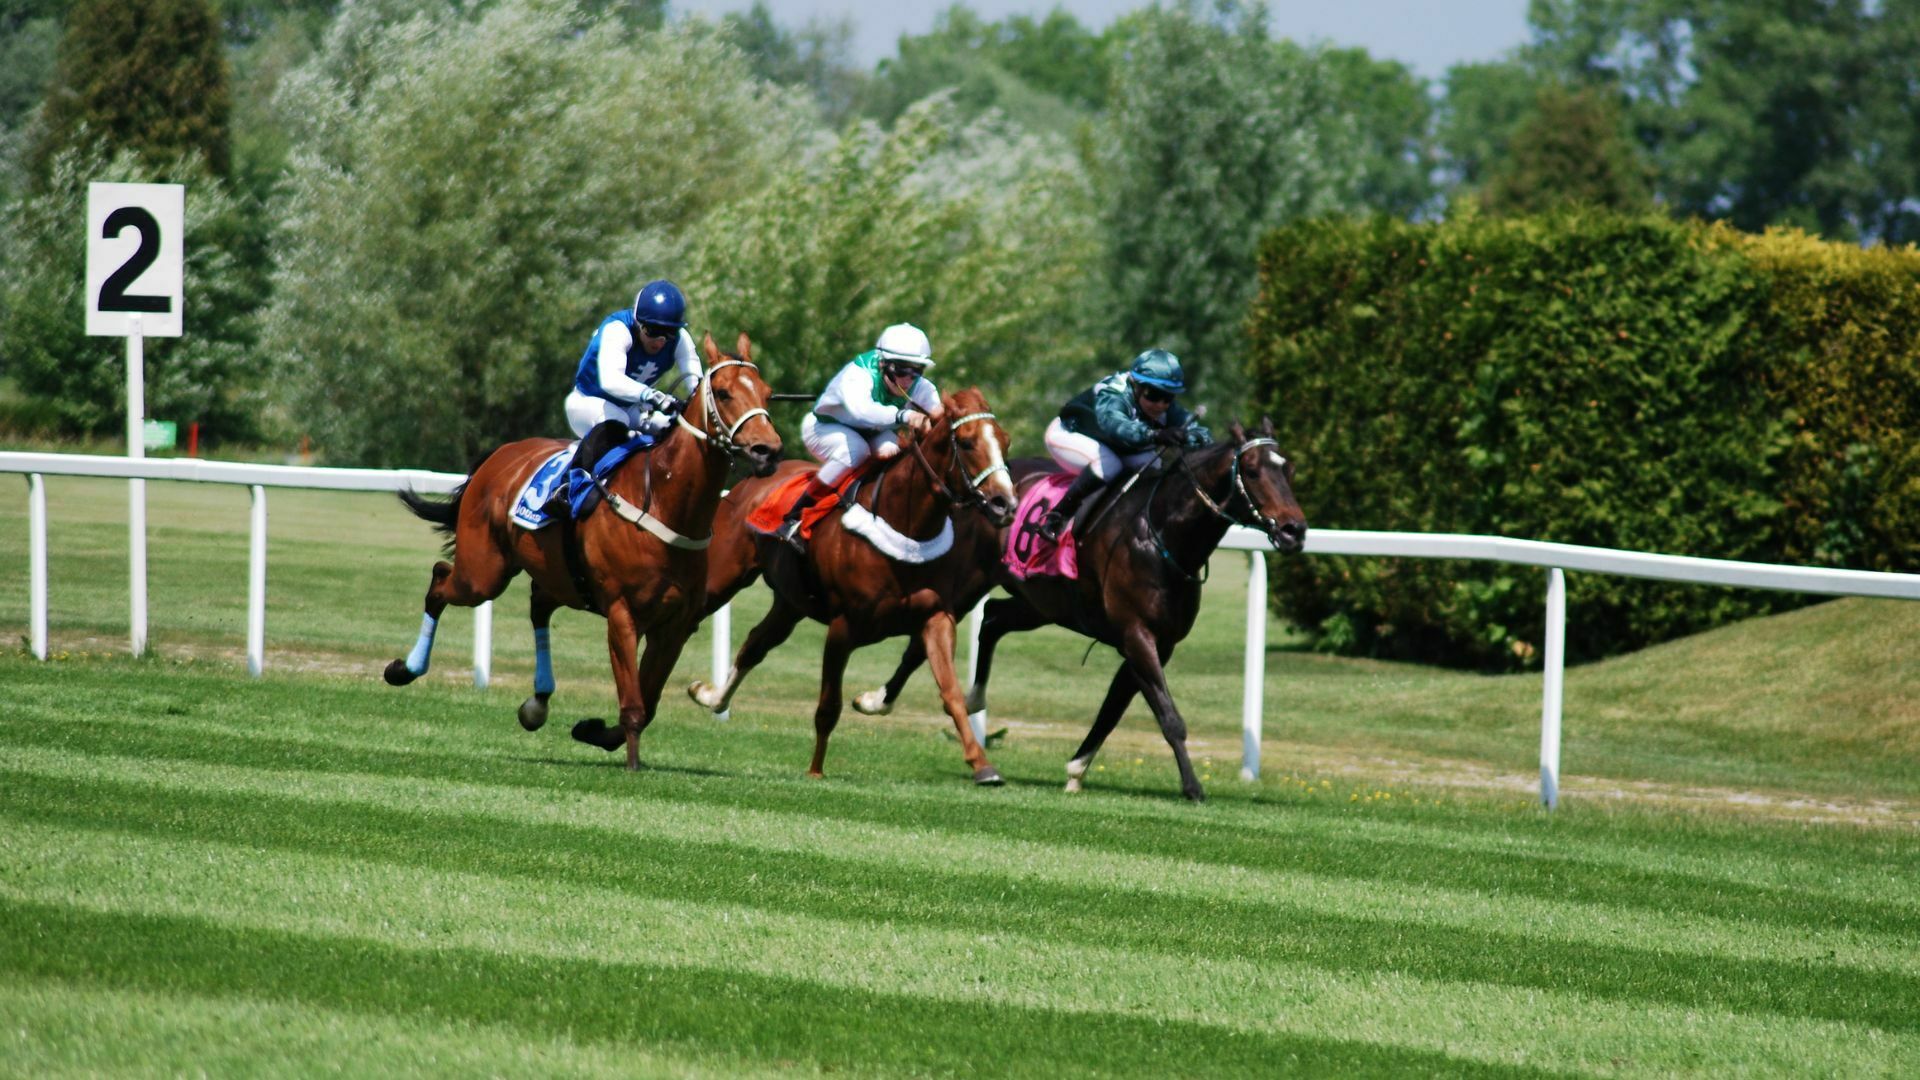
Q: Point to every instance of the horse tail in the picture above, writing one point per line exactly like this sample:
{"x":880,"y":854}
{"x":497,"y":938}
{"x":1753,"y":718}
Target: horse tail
{"x":442,"y":514}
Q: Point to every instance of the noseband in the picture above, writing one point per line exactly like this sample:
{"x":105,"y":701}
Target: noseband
{"x":1238,"y":487}
{"x":724,"y":432}
{"x":970,"y":495}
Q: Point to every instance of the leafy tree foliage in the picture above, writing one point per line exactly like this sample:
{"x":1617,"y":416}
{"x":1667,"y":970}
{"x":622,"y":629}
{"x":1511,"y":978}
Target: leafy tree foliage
{"x":1212,"y":136}
{"x":145,"y":75}
{"x":1390,"y":109}
{"x":1572,"y":150}
{"x":973,"y":232}
{"x":1758,"y":111}
{"x":472,"y":194}
{"x":818,"y":56}
{"x":1484,"y":106}
{"x":1046,"y":74}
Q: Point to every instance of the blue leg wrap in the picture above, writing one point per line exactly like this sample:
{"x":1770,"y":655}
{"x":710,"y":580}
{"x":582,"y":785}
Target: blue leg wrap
{"x":542,"y":662}
{"x":423,"y":648}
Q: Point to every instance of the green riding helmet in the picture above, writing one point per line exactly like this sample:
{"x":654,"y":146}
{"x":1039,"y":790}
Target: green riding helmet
{"x":1158,"y":367}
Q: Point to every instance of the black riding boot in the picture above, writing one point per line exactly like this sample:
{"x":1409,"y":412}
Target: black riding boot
{"x":1062,"y":514}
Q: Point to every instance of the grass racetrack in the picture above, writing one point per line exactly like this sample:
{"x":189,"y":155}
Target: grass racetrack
{"x":313,"y":872}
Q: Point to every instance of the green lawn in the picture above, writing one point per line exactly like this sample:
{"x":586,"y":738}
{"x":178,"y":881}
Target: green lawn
{"x":313,"y":872}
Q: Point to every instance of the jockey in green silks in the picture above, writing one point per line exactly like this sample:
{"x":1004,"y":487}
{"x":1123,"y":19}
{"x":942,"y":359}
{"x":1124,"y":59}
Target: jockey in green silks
{"x":1119,"y":424}
{"x":858,"y":415}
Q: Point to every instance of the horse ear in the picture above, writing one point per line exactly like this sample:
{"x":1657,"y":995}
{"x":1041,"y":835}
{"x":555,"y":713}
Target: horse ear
{"x":1238,"y":431}
{"x":745,"y":348}
{"x":1266,"y":426}
{"x":709,"y":349}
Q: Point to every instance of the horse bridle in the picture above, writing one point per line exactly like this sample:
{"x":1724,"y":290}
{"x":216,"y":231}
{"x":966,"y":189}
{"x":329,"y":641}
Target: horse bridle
{"x":1238,"y":485}
{"x":723,"y":432}
{"x":972,"y":496}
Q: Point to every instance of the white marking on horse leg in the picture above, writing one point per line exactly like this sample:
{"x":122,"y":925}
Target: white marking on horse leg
{"x":1076,"y":771}
{"x":873,"y":703}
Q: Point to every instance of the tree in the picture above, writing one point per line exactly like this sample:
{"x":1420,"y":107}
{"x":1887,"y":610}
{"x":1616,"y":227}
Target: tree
{"x":818,"y":56}
{"x":1484,"y":105}
{"x":1047,"y":74}
{"x":1572,"y":150}
{"x":1390,"y":108}
{"x":1212,"y":136}
{"x":974,"y":232}
{"x":144,"y":75}
{"x":472,"y":193}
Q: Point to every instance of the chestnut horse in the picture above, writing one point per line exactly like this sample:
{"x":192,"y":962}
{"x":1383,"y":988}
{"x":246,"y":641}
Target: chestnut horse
{"x":844,"y":581}
{"x":643,"y":556}
{"x":1142,"y":560}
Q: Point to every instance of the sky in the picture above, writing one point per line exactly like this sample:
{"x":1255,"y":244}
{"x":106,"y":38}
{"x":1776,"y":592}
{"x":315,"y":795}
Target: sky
{"x":1427,"y":36}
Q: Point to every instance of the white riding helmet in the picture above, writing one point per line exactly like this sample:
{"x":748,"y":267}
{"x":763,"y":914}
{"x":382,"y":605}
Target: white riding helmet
{"x":905,"y":342}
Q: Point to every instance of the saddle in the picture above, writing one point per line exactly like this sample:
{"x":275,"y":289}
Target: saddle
{"x":772,"y":511}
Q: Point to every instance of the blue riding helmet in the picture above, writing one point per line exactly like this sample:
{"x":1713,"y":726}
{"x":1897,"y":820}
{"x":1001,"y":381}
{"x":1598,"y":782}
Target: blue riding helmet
{"x":659,"y":303}
{"x":1158,"y":367}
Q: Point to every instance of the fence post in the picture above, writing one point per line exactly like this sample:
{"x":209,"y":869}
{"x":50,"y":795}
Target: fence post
{"x":37,"y":562}
{"x":482,"y":644}
{"x":722,"y":662}
{"x":1254,"y":676}
{"x":1550,"y":688}
{"x":257,"y":584}
{"x":975,"y":619}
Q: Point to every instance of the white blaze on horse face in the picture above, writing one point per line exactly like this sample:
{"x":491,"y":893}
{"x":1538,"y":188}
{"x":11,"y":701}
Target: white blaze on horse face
{"x":999,"y":481}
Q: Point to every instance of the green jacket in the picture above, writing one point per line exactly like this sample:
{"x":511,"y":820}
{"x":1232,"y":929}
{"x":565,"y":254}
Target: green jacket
{"x":1107,"y":412}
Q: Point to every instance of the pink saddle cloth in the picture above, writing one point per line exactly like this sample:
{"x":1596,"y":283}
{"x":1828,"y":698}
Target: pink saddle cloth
{"x":1028,"y":553}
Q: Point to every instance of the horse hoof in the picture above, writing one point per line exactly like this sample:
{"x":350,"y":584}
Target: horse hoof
{"x":595,"y":732}
{"x":873,"y":703}
{"x":398,"y":675}
{"x":533,"y":712}
{"x":704,"y":693}
{"x":987,"y":776}
{"x":1073,"y":785}
{"x":1196,"y":796}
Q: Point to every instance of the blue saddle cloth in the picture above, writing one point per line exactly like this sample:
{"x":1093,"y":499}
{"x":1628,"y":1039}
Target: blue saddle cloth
{"x":555,"y":489}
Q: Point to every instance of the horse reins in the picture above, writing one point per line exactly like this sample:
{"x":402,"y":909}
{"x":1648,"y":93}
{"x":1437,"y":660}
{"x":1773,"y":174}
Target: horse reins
{"x":1237,"y":484}
{"x":722,"y":440}
{"x":973,"y":496}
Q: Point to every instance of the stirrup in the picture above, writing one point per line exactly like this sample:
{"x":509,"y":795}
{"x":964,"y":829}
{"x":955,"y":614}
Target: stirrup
{"x":789,"y":534}
{"x":1053,"y":526}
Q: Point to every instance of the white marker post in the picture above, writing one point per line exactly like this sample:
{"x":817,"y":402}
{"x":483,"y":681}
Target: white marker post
{"x":136,"y":243}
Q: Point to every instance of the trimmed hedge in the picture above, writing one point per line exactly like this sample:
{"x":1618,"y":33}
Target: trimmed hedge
{"x":1590,"y":378}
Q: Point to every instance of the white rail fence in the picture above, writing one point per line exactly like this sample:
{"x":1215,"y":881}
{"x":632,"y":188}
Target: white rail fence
{"x":1555,"y":558}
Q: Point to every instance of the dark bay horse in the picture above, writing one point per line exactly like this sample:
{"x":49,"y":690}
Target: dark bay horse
{"x":1141,"y":564}
{"x":844,"y":581}
{"x":642,"y":557}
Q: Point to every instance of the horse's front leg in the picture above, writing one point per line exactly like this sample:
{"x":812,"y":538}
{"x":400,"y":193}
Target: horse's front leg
{"x":664,"y":644}
{"x":936,"y":638}
{"x":1146,"y":658}
{"x":622,"y":650}
{"x":533,"y":711}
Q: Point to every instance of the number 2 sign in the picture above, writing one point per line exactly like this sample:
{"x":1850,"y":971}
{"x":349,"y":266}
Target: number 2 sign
{"x":135,"y":245}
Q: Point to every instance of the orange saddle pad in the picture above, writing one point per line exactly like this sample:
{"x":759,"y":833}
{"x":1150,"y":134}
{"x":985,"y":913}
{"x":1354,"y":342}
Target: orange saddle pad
{"x":772,"y":511}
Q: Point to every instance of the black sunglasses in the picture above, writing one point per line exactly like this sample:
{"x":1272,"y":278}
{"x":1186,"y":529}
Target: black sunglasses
{"x":1155,"y":394}
{"x":900,"y":371}
{"x":655,"y":330}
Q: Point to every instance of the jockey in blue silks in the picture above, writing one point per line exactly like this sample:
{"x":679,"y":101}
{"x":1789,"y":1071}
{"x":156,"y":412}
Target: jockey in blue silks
{"x":856,"y":417}
{"x":1119,"y":424}
{"x":628,"y":355}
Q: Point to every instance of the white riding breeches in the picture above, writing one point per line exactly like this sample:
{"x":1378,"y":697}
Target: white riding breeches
{"x":1076,"y":453}
{"x":840,"y":449}
{"x":584,"y":413}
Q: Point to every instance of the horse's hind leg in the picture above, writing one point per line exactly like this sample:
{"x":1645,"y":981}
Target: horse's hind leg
{"x":766,"y":636}
{"x":1120,"y":693}
{"x":936,"y":637}
{"x":478,"y":573}
{"x":826,"y":715}
{"x":880,"y":702}
{"x":541,"y":606}
{"x":999,"y":618}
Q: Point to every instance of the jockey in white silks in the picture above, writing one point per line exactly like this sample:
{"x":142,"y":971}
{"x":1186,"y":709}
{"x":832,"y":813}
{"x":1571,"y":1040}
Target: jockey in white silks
{"x":861,"y":410}
{"x":630,"y":352}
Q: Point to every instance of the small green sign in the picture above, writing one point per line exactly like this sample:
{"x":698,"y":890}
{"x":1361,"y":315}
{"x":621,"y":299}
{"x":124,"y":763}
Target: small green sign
{"x":160,"y":434}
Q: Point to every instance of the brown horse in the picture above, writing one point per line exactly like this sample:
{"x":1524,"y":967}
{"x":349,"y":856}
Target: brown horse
{"x":844,"y":581}
{"x":1142,"y":559}
{"x":641,"y":560}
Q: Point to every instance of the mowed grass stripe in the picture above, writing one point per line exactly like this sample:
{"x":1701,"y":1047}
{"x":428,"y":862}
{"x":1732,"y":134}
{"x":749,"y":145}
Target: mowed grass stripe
{"x":241,"y":892}
{"x":676,"y":1010}
{"x":1848,"y":929}
{"x":800,"y":873}
{"x":57,"y":1029}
